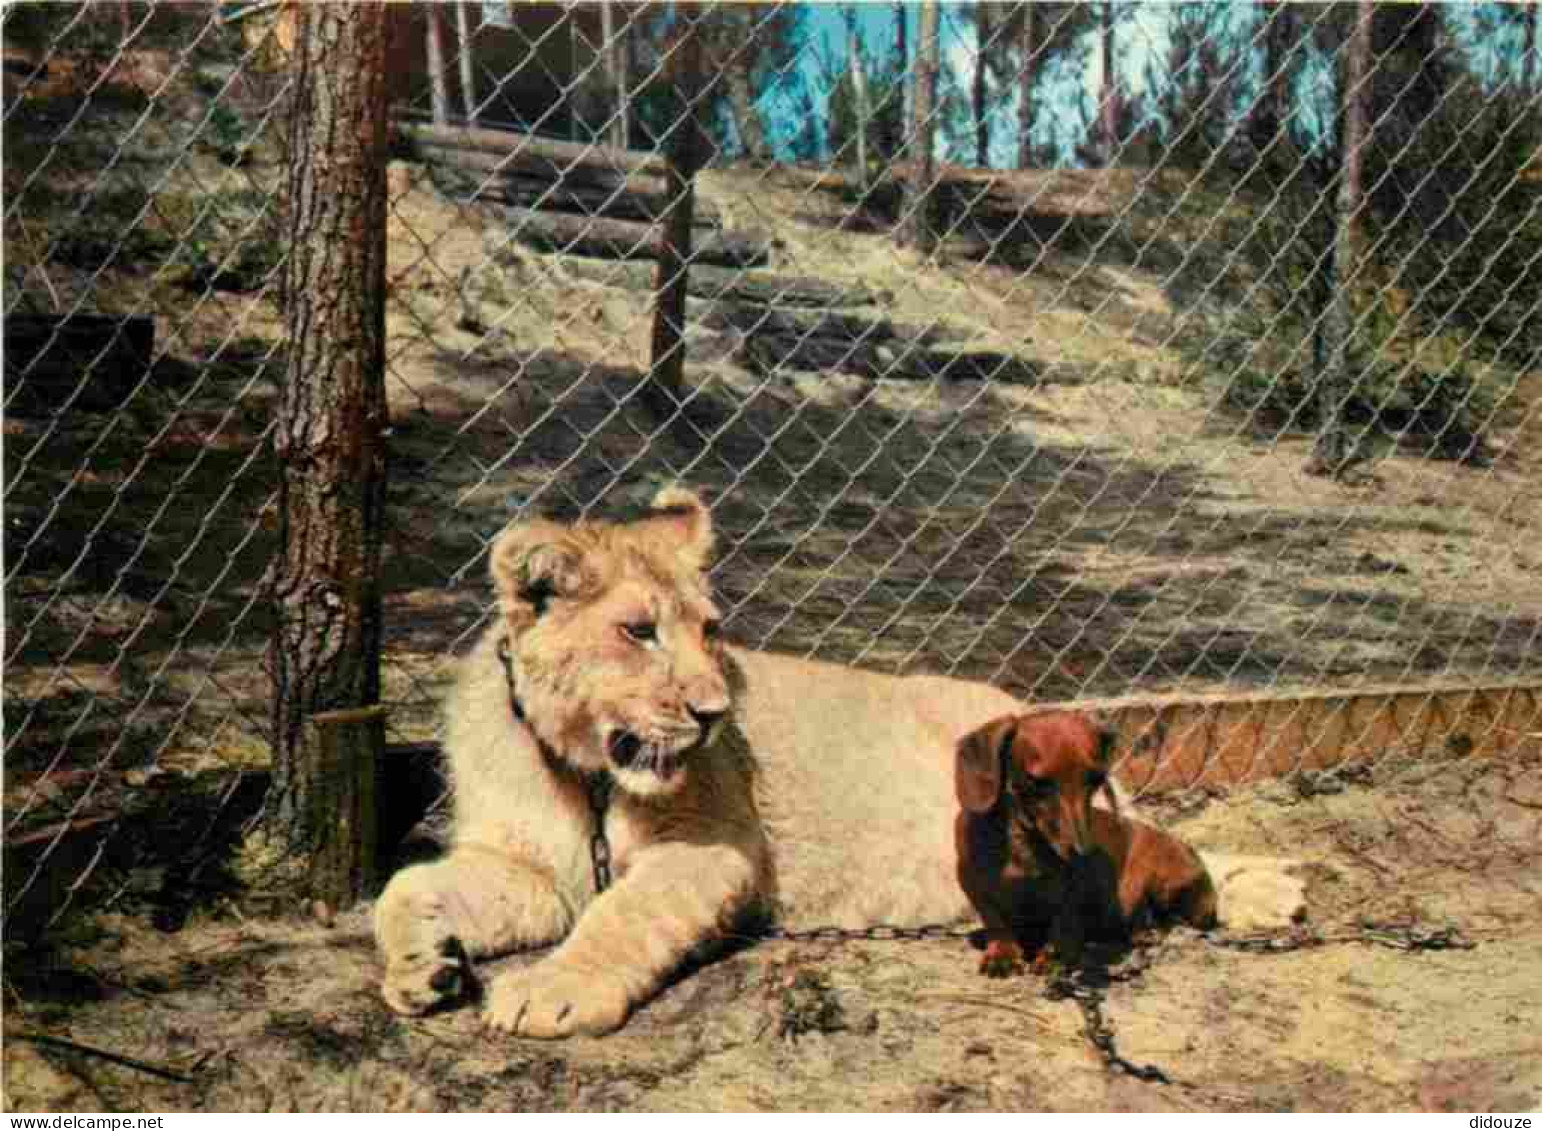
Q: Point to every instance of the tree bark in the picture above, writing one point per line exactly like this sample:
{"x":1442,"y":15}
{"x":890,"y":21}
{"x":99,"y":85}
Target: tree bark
{"x":623,"y":239}
{"x":1030,"y":49}
{"x":982,"y":127}
{"x":741,"y":97}
{"x":610,"y":56}
{"x":665,"y":386}
{"x":859,"y":102}
{"x":916,"y":231}
{"x":324,"y":654}
{"x":1528,"y":50}
{"x":1108,"y":104}
{"x":1331,"y":454}
{"x":468,"y":78}
{"x":559,"y":160}
{"x":438,"y":83}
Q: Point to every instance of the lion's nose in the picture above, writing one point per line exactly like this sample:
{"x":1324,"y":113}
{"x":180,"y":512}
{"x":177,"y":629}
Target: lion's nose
{"x":706,"y":717}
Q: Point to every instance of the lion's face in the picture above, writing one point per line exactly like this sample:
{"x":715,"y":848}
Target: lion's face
{"x":615,"y":656}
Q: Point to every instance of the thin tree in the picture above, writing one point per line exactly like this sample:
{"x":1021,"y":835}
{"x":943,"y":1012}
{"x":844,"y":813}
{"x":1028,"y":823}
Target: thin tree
{"x":982,"y":128}
{"x":468,"y":80}
{"x":1331,"y":454}
{"x":1528,"y":48}
{"x":329,"y":437}
{"x":1029,"y":45}
{"x":858,"y":74}
{"x":1108,"y":103}
{"x":438,"y":83}
{"x":613,"y":60}
{"x":916,"y":230}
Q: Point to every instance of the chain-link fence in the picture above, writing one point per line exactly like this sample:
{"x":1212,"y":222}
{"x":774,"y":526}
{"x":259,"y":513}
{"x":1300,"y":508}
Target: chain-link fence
{"x":1037,"y":394}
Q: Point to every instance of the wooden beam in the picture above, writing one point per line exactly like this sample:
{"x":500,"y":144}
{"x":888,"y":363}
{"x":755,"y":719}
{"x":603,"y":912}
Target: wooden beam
{"x":1175,"y":743}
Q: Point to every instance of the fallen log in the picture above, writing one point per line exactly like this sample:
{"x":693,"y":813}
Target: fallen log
{"x":627,"y":197}
{"x":767,"y":353}
{"x":714,"y":284}
{"x":623,"y":239}
{"x":530,"y":151}
{"x":752,"y":319}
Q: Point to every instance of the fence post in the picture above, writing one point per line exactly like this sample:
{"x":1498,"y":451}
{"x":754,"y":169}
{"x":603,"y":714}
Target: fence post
{"x":324,"y":652}
{"x":671,"y":280}
{"x":1331,"y":454}
{"x":919,"y":200}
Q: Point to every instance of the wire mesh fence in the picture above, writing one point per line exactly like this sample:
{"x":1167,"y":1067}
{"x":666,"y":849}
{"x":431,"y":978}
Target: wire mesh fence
{"x":1035,"y":395}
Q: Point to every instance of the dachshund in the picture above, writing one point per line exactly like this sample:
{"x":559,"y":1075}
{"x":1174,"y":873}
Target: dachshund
{"x":1041,"y":865}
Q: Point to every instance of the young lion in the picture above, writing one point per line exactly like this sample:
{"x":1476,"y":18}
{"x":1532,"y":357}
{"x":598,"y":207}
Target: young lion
{"x":742,"y":781}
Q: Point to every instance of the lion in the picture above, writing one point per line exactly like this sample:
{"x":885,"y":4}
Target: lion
{"x":742,"y":785}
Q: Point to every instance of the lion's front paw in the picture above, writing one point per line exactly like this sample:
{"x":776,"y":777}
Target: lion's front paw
{"x":544,"y":1002}
{"x":420,"y":980}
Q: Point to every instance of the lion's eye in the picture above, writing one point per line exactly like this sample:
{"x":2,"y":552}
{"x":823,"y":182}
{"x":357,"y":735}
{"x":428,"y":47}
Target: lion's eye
{"x":712,"y":629}
{"x":642,"y":632}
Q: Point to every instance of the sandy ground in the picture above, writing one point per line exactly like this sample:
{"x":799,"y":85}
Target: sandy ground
{"x":283,"y":1015}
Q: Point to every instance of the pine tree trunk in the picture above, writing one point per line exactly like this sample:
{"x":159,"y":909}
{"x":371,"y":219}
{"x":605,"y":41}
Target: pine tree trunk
{"x":1331,"y":454}
{"x":752,"y":134}
{"x":916,"y":230}
{"x":438,"y":83}
{"x":468,"y":79}
{"x":859,"y":104}
{"x":324,"y":654}
{"x":1025,"y":76}
{"x":982,"y":128}
{"x":1108,"y":105}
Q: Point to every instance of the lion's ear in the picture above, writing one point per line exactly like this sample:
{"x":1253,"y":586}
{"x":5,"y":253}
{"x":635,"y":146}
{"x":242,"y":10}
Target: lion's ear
{"x":532,"y":563}
{"x":977,"y":768}
{"x":688,"y":524}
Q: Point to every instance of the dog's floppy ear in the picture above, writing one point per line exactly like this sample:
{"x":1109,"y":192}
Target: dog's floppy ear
{"x":1108,"y":746}
{"x":978,"y":764}
{"x":686,"y":522}
{"x":531,"y":564}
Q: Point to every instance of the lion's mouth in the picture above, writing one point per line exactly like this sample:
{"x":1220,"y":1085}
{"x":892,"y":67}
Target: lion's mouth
{"x":629,"y":752}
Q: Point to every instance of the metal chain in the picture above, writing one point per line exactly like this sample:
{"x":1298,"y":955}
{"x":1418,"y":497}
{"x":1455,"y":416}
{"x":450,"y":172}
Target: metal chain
{"x":878,"y":932}
{"x":1396,"y":936}
{"x":1096,"y":1027}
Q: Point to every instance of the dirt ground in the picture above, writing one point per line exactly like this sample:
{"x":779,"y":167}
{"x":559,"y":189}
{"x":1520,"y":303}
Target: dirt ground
{"x":271,"y":1015}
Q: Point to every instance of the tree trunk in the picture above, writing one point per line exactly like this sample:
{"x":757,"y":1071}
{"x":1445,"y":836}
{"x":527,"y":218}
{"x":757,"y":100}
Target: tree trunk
{"x":902,"y":62}
{"x":859,"y":103}
{"x":324,"y":654}
{"x":1528,"y":51}
{"x":665,"y":388}
{"x":468,"y":78}
{"x":1030,"y":49}
{"x":615,"y":82}
{"x":982,"y":127}
{"x":1271,"y":117}
{"x":438,"y":83}
{"x":1331,"y":454}
{"x":916,"y":230}
{"x":752,"y":134}
{"x":1108,"y":104}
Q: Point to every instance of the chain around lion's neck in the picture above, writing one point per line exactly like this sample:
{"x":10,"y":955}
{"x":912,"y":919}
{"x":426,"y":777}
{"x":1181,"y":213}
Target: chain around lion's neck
{"x":597,"y":786}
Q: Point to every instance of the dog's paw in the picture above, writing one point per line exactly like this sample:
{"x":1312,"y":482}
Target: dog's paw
{"x":1002,"y":959}
{"x":421,"y":980}
{"x":545,"y":1001}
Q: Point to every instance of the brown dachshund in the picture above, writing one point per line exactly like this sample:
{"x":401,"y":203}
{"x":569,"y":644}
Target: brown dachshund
{"x":1040,"y":864}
